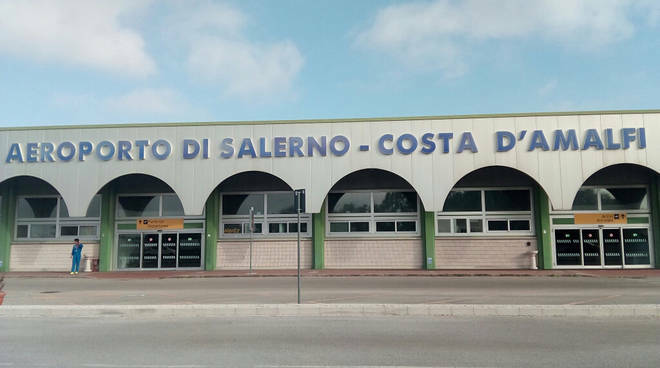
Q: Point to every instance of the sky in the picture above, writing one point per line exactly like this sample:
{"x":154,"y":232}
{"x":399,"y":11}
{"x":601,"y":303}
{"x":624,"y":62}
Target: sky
{"x":132,"y":61}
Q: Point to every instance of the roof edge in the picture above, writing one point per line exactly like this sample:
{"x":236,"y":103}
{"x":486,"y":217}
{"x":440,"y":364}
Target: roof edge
{"x":345,"y":120}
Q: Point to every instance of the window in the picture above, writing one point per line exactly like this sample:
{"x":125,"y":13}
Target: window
{"x":149,"y":205}
{"x":274,"y":215}
{"x":373,"y":212}
{"x":486,"y":212}
{"x":611,"y":199}
{"x":47,"y":217}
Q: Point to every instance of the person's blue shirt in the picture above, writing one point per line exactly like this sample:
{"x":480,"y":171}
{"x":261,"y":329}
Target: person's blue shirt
{"x":77,"y":249}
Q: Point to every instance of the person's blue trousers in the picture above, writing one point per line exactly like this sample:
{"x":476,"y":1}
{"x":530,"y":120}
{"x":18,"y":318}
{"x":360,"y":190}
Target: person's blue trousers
{"x":75,"y":264}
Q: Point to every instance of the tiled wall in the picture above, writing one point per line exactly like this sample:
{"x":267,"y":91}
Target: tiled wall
{"x":266,"y":254}
{"x":374,"y":253}
{"x":502,"y":253}
{"x":47,"y":256}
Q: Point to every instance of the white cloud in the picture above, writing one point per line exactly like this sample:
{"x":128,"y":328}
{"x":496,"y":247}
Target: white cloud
{"x":219,"y":52}
{"x":157,"y":101}
{"x":143,"y":103}
{"x":79,"y":32}
{"x":547,"y":88}
{"x":439,"y":34}
{"x":73,"y":101}
{"x":245,"y":68}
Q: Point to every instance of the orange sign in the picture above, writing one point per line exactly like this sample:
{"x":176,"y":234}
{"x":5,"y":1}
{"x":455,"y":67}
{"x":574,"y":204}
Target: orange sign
{"x":159,"y":224}
{"x":600,"y":218}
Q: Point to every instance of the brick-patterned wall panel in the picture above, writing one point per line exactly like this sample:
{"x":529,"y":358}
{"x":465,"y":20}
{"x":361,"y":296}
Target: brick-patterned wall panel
{"x":47,"y":256}
{"x":266,"y":254}
{"x":461,"y":253}
{"x":374,"y":253}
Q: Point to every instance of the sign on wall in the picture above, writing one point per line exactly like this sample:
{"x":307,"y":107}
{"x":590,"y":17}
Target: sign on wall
{"x":160,"y":224}
{"x":310,"y":146}
{"x":601,"y":218}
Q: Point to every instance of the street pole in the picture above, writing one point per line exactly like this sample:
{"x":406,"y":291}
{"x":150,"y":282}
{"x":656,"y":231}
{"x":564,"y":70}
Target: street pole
{"x":251,"y":232}
{"x":298,"y":211}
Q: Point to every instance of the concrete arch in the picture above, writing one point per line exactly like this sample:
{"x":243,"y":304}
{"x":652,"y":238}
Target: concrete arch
{"x":445,"y":191}
{"x":337,"y":180}
{"x":573,"y":190}
{"x":258,"y":172}
{"x":87,"y":193}
{"x":50,"y":181}
{"x":208,"y":192}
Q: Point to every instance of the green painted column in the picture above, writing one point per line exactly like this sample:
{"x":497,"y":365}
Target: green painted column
{"x":318,"y":238}
{"x":428,"y":239}
{"x":7,"y":215}
{"x":106,"y":246}
{"x":655,"y":217}
{"x":212,"y":230}
{"x":542,"y":222}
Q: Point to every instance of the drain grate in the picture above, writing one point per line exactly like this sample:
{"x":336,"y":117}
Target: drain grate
{"x":50,"y":292}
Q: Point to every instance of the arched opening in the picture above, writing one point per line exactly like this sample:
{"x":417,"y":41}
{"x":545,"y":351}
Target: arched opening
{"x":151,"y":228}
{"x":487,"y":221}
{"x":373,"y":221}
{"x":609,"y":224}
{"x":41,"y":228}
{"x":259,"y":224}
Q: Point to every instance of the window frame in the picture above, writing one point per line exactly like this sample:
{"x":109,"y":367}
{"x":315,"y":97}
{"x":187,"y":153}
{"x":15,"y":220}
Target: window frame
{"x":600,"y":203}
{"x":264,"y":219}
{"x":372,"y":217}
{"x":160,"y":206}
{"x":58,"y":221}
{"x":486,"y":216}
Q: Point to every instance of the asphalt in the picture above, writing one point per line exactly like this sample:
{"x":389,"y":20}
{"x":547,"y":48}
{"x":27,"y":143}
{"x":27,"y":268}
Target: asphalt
{"x":360,"y":293}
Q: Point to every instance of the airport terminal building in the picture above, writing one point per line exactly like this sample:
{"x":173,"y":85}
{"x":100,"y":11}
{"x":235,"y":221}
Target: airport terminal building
{"x":548,"y":190}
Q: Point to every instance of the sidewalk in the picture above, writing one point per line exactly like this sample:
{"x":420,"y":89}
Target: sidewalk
{"x":356,"y":293}
{"x":619,"y":273}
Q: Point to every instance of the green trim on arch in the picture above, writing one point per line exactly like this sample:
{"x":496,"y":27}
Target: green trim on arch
{"x":212,"y":230}
{"x":638,"y":220}
{"x":428,"y":238}
{"x":563,"y":221}
{"x":7,"y":220}
{"x":107,"y":242}
{"x":655,"y":217}
{"x":349,"y":120}
{"x":193,"y":225}
{"x":318,"y":238}
{"x":542,"y":221}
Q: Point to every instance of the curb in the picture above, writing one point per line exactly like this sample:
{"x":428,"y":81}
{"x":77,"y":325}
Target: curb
{"x":637,"y":311}
{"x":631,"y":273}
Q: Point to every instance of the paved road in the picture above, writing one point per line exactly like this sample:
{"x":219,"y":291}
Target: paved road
{"x":326,"y":342}
{"x":260,"y":290}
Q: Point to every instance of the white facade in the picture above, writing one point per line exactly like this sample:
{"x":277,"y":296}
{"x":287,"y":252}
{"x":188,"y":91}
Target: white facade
{"x":559,"y":172}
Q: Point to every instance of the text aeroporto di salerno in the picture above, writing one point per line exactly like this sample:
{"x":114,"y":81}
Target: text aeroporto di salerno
{"x":310,"y":146}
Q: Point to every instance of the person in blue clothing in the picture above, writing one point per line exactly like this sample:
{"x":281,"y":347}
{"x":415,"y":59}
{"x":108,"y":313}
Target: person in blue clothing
{"x":76,"y":252}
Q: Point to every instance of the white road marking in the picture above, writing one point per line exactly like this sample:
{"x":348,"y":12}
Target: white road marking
{"x":578,"y":302}
{"x":357,"y":366}
{"x":101,"y":365}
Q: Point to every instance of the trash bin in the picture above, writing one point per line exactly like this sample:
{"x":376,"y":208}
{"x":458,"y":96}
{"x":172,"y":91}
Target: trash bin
{"x":534,"y":262}
{"x":95,"y":265}
{"x":87,"y":264}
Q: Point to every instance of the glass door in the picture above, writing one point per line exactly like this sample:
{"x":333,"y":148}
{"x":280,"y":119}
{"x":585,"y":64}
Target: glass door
{"x":190,"y":250}
{"x":128,"y":253}
{"x":612,"y":246}
{"x":636,"y":246}
{"x":567,"y":247}
{"x":154,"y":251}
{"x":168,"y":248}
{"x":150,"y":242}
{"x":591,"y":247}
